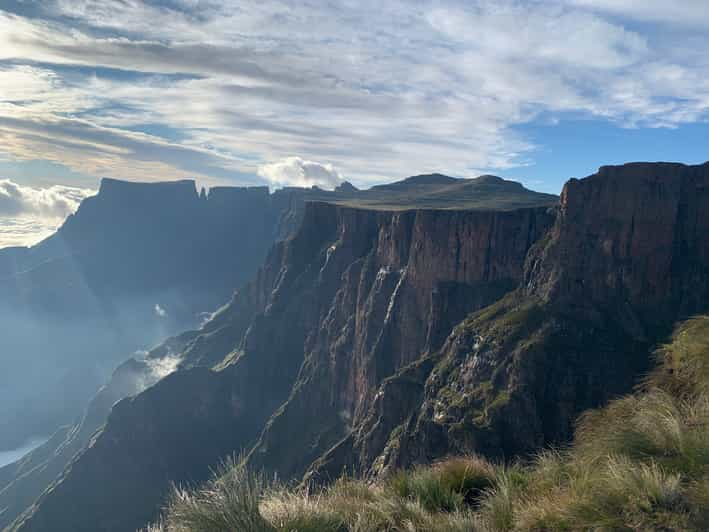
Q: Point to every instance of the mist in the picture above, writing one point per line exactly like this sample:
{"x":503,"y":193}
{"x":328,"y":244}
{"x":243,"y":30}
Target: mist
{"x":8,"y":457}
{"x":52,"y":365}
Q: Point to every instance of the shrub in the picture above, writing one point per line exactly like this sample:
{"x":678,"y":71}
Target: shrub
{"x":449,"y":485}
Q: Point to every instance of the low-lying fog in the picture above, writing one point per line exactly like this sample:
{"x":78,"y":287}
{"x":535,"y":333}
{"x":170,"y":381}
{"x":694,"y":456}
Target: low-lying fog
{"x":8,"y":457}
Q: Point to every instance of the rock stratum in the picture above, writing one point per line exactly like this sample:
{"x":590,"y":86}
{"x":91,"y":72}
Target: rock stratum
{"x":374,"y":339}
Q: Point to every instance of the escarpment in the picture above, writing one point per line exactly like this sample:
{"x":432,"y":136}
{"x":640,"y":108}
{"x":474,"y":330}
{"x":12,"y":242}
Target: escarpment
{"x":398,"y":294}
{"x":375,"y":339}
{"x":351,"y":298}
{"x":627,"y":256}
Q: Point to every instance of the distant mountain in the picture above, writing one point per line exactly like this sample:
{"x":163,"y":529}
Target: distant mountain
{"x":136,"y":263}
{"x":436,"y":191}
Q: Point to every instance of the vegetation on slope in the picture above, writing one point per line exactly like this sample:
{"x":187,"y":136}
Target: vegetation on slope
{"x":641,"y":463}
{"x":437,"y":191}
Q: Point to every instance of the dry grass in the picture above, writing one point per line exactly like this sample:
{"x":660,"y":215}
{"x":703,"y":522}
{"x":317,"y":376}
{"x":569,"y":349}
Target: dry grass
{"x":641,"y":463}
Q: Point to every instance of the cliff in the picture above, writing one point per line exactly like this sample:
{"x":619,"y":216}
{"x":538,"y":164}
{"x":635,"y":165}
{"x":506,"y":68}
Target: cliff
{"x":354,"y":296}
{"x":627,"y":256}
{"x":377,"y":339}
{"x":138,"y":262}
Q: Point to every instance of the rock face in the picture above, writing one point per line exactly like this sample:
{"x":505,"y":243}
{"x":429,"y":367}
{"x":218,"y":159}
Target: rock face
{"x":377,"y":339}
{"x":627,"y":257}
{"x":351,"y":298}
{"x":633,"y":235}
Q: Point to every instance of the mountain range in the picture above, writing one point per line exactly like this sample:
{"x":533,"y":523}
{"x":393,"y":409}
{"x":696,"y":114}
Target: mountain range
{"x":384,"y":328}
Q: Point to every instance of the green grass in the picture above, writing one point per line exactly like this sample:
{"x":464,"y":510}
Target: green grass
{"x":641,"y":463}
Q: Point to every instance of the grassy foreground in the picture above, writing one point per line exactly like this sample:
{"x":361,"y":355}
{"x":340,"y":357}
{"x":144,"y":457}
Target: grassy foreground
{"x":641,"y":463}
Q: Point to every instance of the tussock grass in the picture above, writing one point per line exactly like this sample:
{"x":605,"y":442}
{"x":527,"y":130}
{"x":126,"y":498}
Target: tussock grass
{"x":228,"y":502}
{"x":640,"y":463}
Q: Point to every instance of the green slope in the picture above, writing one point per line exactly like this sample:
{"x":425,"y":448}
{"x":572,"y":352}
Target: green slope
{"x":436,"y":191}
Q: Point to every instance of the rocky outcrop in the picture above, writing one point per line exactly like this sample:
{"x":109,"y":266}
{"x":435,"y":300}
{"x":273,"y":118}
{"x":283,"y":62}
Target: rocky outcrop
{"x":631,"y":236}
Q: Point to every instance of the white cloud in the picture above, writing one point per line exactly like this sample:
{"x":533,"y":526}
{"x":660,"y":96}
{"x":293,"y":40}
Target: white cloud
{"x":160,"y":311}
{"x":55,"y":202}
{"x":382,"y":90}
{"x":28,"y":214}
{"x":162,"y":367}
{"x":24,"y":232}
{"x":294,"y":171}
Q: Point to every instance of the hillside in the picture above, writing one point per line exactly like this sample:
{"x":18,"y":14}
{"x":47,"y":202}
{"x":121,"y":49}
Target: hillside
{"x":374,"y":340}
{"x":137,"y":262}
{"x":641,"y":463}
{"x":436,"y":191}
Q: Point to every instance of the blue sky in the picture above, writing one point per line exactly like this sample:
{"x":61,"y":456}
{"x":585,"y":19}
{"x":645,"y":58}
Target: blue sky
{"x":313,"y":92}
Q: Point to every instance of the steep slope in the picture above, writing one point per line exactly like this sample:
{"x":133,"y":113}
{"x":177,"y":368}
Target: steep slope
{"x":22,"y":482}
{"x":639,"y":463}
{"x":137,"y":263}
{"x":627,"y":257}
{"x":351,"y":298}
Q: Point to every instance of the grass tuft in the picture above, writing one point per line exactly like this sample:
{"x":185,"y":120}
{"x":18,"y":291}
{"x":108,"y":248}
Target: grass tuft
{"x":640,"y":463}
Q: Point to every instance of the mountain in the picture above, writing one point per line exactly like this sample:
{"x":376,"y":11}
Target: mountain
{"x":136,"y":263}
{"x":436,"y":191}
{"x":140,"y":262}
{"x":375,"y":339}
{"x":208,"y":243}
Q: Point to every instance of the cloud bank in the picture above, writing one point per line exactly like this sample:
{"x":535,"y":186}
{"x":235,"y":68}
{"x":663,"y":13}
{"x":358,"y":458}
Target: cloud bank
{"x":294,"y":171}
{"x":29,"y":214}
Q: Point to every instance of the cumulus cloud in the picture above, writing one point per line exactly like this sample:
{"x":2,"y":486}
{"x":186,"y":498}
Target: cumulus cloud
{"x":55,"y":202}
{"x":294,"y":171}
{"x":23,"y":232}
{"x":29,"y":214}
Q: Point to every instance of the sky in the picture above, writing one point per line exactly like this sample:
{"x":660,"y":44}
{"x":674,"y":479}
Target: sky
{"x":316,"y":92}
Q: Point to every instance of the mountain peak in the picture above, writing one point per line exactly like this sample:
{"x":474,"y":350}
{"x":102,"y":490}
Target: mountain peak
{"x":492,"y":179}
{"x":427,"y":179}
{"x":346,"y":186}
